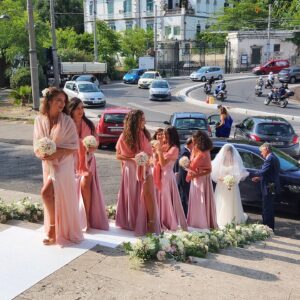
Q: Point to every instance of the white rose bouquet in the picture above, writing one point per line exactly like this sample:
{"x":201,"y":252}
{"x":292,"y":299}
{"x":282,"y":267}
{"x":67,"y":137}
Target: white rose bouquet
{"x":154,"y":143}
{"x":90,"y":142}
{"x":184,"y":162}
{"x":141,"y":159}
{"x":46,"y":146}
{"x":229,"y":181}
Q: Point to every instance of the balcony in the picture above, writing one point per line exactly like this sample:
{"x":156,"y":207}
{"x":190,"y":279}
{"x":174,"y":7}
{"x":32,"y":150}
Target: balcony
{"x":178,"y":11}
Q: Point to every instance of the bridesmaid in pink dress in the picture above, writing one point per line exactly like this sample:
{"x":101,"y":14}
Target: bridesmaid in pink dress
{"x":61,"y":214}
{"x":170,"y":207}
{"x":93,"y":211}
{"x":136,"y":207}
{"x":202,"y":210}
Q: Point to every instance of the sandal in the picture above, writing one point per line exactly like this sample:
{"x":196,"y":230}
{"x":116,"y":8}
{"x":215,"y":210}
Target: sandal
{"x":50,"y":240}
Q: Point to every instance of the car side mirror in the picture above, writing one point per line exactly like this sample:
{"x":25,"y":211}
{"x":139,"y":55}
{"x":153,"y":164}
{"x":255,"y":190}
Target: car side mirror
{"x":167,"y":123}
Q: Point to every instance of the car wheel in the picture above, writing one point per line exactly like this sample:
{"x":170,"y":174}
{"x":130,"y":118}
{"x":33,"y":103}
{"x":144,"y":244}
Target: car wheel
{"x":203,"y":78}
{"x":293,"y":80}
{"x":220,"y":77}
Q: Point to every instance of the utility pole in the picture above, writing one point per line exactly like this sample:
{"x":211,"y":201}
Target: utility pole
{"x":33,"y":58}
{"x":95,"y":32}
{"x":155,"y":36}
{"x":269,"y":27}
{"x":54,"y":50}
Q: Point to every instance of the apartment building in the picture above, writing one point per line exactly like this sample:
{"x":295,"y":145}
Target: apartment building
{"x":177,"y":20}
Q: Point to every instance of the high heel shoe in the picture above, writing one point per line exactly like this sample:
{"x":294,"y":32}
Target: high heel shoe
{"x":50,"y":239}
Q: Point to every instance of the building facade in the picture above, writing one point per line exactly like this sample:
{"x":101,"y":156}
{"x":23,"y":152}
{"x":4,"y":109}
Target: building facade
{"x":177,"y":20}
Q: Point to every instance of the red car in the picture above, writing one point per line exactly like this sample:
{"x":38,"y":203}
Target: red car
{"x":275,"y":66}
{"x":111,"y":125}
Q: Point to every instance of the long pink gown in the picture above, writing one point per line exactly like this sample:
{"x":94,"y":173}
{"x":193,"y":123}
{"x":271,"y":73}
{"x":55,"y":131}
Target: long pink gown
{"x":202,"y":209}
{"x":170,"y":207}
{"x":131,"y":208}
{"x":67,"y":220}
{"x":87,"y":163}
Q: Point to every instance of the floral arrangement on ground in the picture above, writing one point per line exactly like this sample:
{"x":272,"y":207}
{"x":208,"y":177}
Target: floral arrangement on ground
{"x":28,"y":210}
{"x":182,"y":245}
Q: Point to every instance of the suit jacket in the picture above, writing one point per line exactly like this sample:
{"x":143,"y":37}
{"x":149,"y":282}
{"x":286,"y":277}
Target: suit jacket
{"x":269,"y":174}
{"x":181,"y":171}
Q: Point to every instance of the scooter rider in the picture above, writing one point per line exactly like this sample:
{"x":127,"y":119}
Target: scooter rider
{"x":220,"y":87}
{"x":283,"y":90}
{"x":260,"y":81}
{"x":270,"y":80}
{"x":208,"y":84}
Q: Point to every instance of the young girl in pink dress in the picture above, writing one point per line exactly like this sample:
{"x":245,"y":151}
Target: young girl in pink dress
{"x":93,"y":211}
{"x":136,"y":207}
{"x":170,"y":207}
{"x":61,"y":214}
{"x":202,"y":210}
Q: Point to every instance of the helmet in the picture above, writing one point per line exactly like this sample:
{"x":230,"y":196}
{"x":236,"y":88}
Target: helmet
{"x":223,"y":81}
{"x":260,"y":77}
{"x":271,"y":73}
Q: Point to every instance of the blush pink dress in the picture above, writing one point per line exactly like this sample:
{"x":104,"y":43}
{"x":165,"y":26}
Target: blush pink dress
{"x":202,"y":209}
{"x":67,"y":220}
{"x":131,"y":207}
{"x":170,"y":207}
{"x":87,"y":163}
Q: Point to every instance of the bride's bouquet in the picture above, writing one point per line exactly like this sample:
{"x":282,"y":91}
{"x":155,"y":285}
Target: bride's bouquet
{"x":46,"y":146}
{"x":229,"y":181}
{"x":184,"y":162}
{"x":90,"y":142}
{"x":154,"y":143}
{"x":141,"y":159}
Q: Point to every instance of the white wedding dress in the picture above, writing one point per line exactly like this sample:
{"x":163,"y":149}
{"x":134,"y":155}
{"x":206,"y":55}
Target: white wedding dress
{"x":229,"y":207}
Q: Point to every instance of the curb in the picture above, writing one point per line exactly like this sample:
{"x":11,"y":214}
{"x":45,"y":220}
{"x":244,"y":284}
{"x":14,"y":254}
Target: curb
{"x":183,"y":94}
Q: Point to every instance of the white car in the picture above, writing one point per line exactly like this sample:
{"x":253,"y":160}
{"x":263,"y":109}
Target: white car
{"x":87,"y":92}
{"x":207,"y":72}
{"x":160,"y":90}
{"x":147,"y":78}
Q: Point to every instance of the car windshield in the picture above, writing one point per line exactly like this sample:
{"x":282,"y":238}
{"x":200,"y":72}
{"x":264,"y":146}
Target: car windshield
{"x":190,"y":123}
{"x":114,"y":118}
{"x":88,"y":88}
{"x":148,"y":75}
{"x":287,"y":163}
{"x":284,"y":71}
{"x":83,"y":78}
{"x":160,"y":84}
{"x":132,"y":71}
{"x":202,"y":70}
{"x":272,"y":129}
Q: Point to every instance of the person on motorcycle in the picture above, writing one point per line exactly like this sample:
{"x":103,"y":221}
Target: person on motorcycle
{"x":260,"y":81}
{"x":220,"y":87}
{"x":270,"y":80}
{"x":208,"y":84}
{"x":283,"y":90}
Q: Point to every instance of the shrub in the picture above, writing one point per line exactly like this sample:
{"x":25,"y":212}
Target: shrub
{"x":22,"y":95}
{"x":130,"y":63}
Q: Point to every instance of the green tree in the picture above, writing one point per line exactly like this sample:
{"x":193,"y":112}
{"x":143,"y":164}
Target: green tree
{"x":68,"y":13}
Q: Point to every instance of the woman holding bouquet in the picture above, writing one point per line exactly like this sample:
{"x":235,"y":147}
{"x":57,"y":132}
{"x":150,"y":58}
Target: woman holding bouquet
{"x":93,"y":211}
{"x":227,"y":171}
{"x":202,"y":210}
{"x":170,"y":207}
{"x":136,"y":207}
{"x":61,"y":216}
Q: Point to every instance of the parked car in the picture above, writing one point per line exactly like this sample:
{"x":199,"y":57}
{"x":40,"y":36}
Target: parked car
{"x":291,"y":74}
{"x":86,"y":91}
{"x":111,"y":125}
{"x":84,"y":77}
{"x":187,"y":123}
{"x":289,"y":199}
{"x":275,"y":130}
{"x":160,"y":90}
{"x":275,"y":66}
{"x":191,"y":64}
{"x":147,"y":78}
{"x":133,"y":75}
{"x":207,"y":72}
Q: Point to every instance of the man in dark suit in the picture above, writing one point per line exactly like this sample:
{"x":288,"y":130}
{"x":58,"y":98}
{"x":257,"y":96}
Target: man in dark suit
{"x":183,"y":186}
{"x":269,"y":181}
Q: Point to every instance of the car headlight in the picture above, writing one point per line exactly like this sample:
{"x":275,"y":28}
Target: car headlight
{"x":293,"y":188}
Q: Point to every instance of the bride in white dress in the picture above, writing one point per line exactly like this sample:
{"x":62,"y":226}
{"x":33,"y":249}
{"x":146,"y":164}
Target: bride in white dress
{"x":228,"y":201}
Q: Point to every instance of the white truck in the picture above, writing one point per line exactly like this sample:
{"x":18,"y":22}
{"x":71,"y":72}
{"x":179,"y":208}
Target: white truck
{"x":72,"y":68}
{"x":146,"y":62}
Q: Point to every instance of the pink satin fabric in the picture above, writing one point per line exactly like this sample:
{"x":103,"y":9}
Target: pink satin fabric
{"x":67,"y":220}
{"x":87,"y":164}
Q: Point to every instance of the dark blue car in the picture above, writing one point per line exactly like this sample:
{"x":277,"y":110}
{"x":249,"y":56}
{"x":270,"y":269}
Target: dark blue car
{"x":133,"y":76}
{"x":289,"y":199}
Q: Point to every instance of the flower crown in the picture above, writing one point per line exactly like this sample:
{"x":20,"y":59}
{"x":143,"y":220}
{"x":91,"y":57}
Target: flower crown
{"x":45,"y":92}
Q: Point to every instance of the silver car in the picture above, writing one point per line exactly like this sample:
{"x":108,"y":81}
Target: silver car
{"x":160,"y":90}
{"x":207,"y":72}
{"x":87,"y":92}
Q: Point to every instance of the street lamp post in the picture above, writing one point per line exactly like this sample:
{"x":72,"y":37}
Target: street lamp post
{"x":33,"y":58}
{"x":95,"y":31}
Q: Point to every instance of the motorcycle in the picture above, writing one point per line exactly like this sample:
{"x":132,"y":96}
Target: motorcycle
{"x":269,"y":84}
{"x":221,"y":95}
{"x":207,"y":88}
{"x":258,"y":90}
{"x":275,"y":98}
